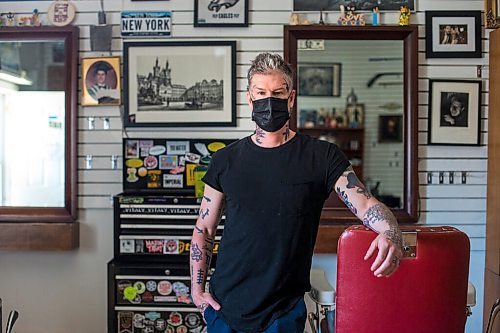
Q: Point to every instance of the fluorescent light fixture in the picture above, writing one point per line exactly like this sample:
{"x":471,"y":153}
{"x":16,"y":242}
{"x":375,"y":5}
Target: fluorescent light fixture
{"x":16,"y":79}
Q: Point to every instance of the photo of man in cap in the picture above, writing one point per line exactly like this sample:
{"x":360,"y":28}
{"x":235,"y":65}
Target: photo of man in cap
{"x":101,"y":83}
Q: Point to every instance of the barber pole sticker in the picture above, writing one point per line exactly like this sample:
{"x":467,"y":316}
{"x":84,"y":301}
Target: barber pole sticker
{"x":146,"y":24}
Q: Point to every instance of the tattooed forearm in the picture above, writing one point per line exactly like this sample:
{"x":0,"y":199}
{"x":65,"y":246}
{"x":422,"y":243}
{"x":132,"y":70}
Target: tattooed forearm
{"x":200,"y":277}
{"x":354,"y":182}
{"x":207,"y":198}
{"x":204,"y":213}
{"x":196,"y":254}
{"x":394,"y":235}
{"x":199,"y":230}
{"x":379,"y":212}
{"x":259,"y":135}
{"x":342,"y":195}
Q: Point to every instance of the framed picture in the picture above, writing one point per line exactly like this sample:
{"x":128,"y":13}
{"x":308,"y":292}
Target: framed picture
{"x":101,"y":81}
{"x":191,"y":84}
{"x":328,"y":5}
{"x":390,"y":128}
{"x":454,"y":112}
{"x":453,"y":34}
{"x":319,"y":79}
{"x":227,"y":13}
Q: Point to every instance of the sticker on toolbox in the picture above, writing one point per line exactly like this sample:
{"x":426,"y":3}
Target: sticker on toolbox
{"x":132,"y":149}
{"x":140,"y":287}
{"x":145,"y":146}
{"x":154,"y":245}
{"x":125,"y":319}
{"x":154,"y":178}
{"x":168,"y":162}
{"x":127,"y":246}
{"x":173,"y":181}
{"x":175,"y":319}
{"x":164,"y":287}
{"x":139,"y":320}
{"x":151,"y":285}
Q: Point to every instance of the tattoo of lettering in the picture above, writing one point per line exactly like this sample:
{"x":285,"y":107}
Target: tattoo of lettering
{"x":198,"y":229}
{"x":207,"y":198}
{"x":203,"y":213}
{"x":259,"y":135}
{"x":200,"y":276}
{"x":196,"y":254}
{"x":342,"y":195}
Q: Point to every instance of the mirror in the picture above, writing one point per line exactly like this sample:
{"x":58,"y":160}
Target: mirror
{"x":38,"y":85}
{"x":357,"y":87}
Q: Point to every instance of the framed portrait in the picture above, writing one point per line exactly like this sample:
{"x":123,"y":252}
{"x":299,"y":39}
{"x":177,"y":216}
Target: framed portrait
{"x":101,"y":81}
{"x":453,"y":34}
{"x":390,"y":128}
{"x":190,"y":84}
{"x":454,"y":112}
{"x":319,"y":79}
{"x":328,"y":5}
{"x":222,"y":13}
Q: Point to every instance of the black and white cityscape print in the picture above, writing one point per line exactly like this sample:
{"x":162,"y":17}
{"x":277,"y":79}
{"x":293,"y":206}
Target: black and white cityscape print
{"x":178,"y":84}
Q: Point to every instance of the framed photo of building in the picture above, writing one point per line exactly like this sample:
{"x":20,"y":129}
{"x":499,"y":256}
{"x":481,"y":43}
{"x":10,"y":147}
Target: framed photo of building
{"x":453,"y":34}
{"x":101,"y":81}
{"x":227,"y":13}
{"x":316,"y":79}
{"x":189,"y":84}
{"x":454,"y":112}
{"x":329,"y":5}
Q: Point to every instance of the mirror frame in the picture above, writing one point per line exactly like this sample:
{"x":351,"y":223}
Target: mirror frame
{"x":409,"y":36}
{"x":51,"y":228}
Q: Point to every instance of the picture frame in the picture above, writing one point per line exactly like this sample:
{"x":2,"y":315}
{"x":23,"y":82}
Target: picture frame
{"x":319,"y":79}
{"x":491,"y":17}
{"x":453,"y":34}
{"x":225,"y":13}
{"x":172,"y":84}
{"x":390,"y":128}
{"x":101,"y":81}
{"x":326,"y":5}
{"x":454,"y":112}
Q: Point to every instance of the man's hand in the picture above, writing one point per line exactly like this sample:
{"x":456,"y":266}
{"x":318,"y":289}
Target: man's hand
{"x":203,"y":301}
{"x":388,"y":257}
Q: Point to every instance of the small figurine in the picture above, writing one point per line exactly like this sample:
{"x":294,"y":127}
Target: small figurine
{"x":295,"y":19}
{"x":375,"y":16}
{"x":350,"y":17}
{"x":8,"y":19}
{"x":404,"y":16}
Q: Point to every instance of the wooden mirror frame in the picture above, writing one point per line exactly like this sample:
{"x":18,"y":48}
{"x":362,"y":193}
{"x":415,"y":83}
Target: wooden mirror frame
{"x":335,"y":220}
{"x":51,"y":228}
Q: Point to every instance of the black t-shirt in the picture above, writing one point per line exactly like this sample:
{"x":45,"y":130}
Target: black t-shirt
{"x":273,"y":198}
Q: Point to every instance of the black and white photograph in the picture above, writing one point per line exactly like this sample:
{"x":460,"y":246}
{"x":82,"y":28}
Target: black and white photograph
{"x":329,"y":5}
{"x":454,"y":112}
{"x":454,"y":109}
{"x":453,"y":34}
{"x":180,"y":83}
{"x":221,"y":13}
{"x":319,"y":79}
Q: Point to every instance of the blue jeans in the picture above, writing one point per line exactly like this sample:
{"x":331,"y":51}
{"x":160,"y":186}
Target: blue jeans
{"x":291,"y":322}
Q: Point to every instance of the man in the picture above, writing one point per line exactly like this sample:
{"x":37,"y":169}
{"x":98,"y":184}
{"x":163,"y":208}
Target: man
{"x":273,"y":185}
{"x":101,"y":91}
{"x":453,"y":110}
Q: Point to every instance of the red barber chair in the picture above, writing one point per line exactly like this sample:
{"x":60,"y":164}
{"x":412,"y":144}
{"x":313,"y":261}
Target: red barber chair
{"x":429,"y":292}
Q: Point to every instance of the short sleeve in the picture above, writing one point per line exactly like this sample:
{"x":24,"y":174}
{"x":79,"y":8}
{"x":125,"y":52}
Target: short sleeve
{"x":337,"y":164}
{"x":212,"y":177}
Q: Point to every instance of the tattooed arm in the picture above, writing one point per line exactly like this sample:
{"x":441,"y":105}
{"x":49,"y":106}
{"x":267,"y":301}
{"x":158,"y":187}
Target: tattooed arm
{"x":202,"y":245}
{"x":376,"y":216}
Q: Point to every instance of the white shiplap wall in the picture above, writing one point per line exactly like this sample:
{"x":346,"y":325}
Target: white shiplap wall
{"x":66,"y":292}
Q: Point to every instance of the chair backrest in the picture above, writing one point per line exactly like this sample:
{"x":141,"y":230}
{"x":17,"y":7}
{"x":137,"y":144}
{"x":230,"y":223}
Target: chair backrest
{"x":427,"y":294}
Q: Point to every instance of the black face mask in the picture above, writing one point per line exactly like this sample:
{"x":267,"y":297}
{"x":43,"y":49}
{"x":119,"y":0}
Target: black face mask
{"x":270,"y":113}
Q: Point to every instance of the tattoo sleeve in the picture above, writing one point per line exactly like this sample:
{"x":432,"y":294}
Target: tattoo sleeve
{"x":380,"y":213}
{"x":354,"y":182}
